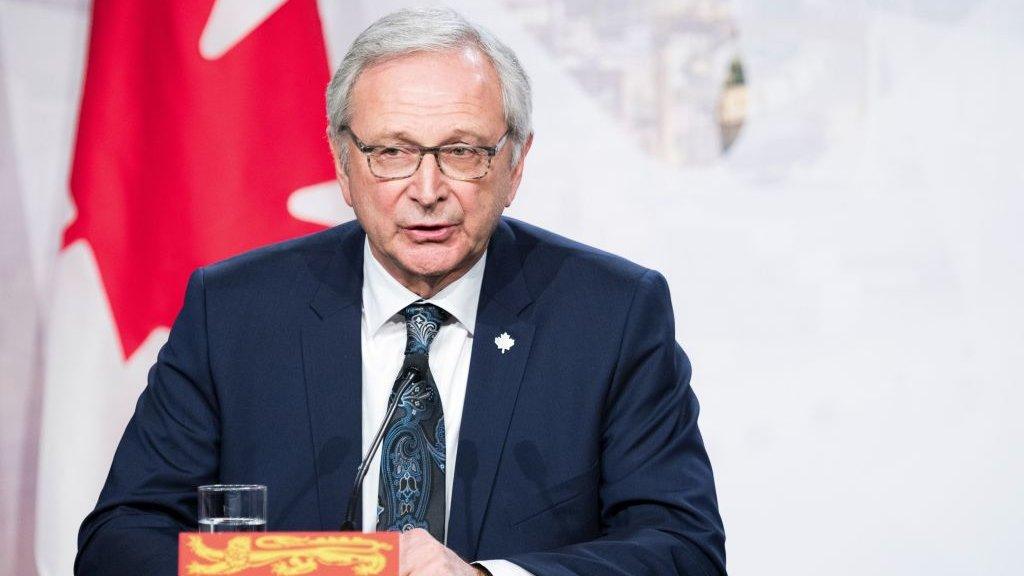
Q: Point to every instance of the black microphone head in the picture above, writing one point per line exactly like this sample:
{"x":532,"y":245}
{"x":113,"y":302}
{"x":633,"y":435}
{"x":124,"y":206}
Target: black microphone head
{"x":413,"y":369}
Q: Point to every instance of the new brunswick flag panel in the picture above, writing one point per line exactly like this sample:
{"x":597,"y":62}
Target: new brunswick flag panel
{"x":288,"y":553}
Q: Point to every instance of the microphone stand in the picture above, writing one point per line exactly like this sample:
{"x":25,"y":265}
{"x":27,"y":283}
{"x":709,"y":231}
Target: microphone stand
{"x":408,"y":378}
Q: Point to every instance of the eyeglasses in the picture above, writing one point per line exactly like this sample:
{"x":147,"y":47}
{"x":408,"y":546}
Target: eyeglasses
{"x":456,"y":161}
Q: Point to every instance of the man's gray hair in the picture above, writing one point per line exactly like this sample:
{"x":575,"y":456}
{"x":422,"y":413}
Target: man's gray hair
{"x":413,"y":30}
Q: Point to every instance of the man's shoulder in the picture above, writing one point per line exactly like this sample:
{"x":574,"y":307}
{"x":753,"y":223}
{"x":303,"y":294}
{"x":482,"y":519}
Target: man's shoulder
{"x":281,"y":259}
{"x":543,"y":249}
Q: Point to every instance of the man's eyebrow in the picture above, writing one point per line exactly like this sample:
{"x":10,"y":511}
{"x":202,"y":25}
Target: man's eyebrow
{"x":395,"y":136}
{"x":401,"y":136}
{"x":460,"y":135}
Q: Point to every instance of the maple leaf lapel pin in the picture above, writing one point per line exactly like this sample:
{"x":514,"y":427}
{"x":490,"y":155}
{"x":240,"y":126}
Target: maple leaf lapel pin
{"x":504,"y":342}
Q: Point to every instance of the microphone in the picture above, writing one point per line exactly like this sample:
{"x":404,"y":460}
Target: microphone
{"x":411,"y":374}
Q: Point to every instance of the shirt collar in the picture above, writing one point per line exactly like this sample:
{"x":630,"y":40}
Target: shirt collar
{"x":384,"y":296}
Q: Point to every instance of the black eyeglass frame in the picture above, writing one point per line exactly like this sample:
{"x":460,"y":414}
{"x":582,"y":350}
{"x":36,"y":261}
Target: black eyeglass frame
{"x":421,"y":151}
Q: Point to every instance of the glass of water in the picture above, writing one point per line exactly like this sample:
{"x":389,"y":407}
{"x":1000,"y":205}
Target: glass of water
{"x":233,"y":508}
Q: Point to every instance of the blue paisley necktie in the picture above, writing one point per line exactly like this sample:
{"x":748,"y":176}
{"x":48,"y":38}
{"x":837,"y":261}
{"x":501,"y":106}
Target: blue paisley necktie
{"x":412,"y":482}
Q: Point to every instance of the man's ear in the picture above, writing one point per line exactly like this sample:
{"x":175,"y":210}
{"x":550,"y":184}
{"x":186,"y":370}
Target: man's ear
{"x":517,"y":171}
{"x":340,"y":172}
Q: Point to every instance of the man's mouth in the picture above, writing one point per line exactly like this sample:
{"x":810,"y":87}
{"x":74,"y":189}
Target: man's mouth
{"x":429,"y":232}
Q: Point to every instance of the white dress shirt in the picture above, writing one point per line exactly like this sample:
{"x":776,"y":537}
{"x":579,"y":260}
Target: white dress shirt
{"x":383,"y":349}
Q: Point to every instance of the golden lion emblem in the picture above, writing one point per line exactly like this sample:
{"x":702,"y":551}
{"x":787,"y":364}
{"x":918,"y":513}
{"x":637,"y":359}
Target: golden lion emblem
{"x":290,"y":555}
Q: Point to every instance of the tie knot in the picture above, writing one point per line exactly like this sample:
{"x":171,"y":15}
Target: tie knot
{"x":422,"y":321}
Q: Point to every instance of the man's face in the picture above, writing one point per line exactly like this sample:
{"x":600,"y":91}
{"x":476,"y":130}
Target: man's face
{"x":428,"y":229}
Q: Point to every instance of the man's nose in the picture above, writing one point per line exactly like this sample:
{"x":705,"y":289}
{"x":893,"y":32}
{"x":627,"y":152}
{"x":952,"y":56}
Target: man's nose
{"x":428,"y":183}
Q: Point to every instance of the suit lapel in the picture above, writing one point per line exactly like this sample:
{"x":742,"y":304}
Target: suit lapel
{"x":332,"y":361}
{"x":492,"y":389}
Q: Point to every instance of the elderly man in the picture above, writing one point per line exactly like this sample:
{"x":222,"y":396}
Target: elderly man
{"x":545,"y":422}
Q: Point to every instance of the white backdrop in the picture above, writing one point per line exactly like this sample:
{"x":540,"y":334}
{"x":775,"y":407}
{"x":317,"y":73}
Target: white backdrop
{"x":846,"y":278}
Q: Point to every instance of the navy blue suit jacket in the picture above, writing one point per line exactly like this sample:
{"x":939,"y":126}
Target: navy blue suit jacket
{"x":579,"y":451}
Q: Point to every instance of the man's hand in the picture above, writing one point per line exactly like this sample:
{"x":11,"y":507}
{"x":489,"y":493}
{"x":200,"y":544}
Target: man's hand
{"x":421,"y":555}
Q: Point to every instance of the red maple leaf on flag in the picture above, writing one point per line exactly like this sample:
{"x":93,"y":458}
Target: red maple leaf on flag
{"x":182,"y":160}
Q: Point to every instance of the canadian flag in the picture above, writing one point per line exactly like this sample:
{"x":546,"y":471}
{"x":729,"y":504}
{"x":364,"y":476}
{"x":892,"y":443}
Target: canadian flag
{"x":201,"y":122}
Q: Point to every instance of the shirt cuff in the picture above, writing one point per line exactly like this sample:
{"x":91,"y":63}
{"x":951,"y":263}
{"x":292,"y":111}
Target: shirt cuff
{"x":503,"y":568}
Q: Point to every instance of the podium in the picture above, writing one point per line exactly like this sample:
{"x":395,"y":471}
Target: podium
{"x":288,"y":553}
